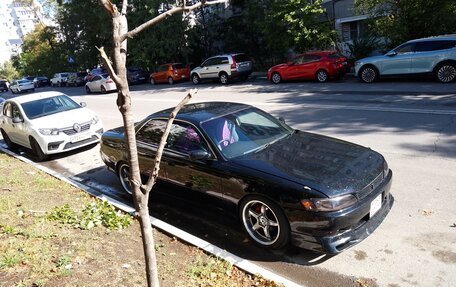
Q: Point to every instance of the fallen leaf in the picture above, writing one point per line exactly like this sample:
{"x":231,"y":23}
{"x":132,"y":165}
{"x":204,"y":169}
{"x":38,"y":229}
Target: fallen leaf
{"x":454,"y":225}
{"x":426,"y":212}
{"x":362,"y":283}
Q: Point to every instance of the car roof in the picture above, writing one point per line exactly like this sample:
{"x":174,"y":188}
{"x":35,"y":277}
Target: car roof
{"x":440,"y":37}
{"x":35,"y":96}
{"x":200,"y":112}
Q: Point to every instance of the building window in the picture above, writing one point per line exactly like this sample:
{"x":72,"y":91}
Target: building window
{"x":353,"y":30}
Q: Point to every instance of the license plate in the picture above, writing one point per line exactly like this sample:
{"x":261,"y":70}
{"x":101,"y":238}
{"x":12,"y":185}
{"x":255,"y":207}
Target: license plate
{"x":79,"y":138}
{"x":183,"y":76}
{"x":375,"y":206}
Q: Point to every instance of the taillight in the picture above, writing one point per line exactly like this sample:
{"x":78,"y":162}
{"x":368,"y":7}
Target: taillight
{"x":234,"y":65}
{"x":109,"y":81}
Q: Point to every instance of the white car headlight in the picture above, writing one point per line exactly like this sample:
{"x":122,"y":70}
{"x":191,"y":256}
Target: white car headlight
{"x":95,"y":120}
{"x":328,"y":204}
{"x":48,"y":132}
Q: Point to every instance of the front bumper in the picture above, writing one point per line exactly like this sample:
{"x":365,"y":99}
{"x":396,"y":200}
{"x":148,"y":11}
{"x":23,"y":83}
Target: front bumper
{"x":334,"y":232}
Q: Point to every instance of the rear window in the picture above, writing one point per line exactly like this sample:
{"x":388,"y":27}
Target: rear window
{"x":241,"y":58}
{"x":178,"y":66}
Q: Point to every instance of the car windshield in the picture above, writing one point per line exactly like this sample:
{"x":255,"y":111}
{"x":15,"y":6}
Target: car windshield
{"x":23,"y":81}
{"x":48,"y":106}
{"x":245,"y":131}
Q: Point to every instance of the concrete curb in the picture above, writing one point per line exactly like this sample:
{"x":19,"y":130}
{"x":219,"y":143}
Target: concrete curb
{"x":239,"y":262}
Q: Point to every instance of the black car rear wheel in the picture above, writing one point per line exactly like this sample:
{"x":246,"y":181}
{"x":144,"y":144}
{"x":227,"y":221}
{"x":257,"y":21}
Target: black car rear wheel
{"x":264,"y":222}
{"x":223,"y":77}
{"x":103,"y":90}
{"x":88,"y":91}
{"x":123,"y":172}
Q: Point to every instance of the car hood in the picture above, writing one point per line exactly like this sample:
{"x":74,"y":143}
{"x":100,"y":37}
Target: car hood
{"x":372,"y":59}
{"x":279,"y":66}
{"x":331,"y":166}
{"x":64,"y":119}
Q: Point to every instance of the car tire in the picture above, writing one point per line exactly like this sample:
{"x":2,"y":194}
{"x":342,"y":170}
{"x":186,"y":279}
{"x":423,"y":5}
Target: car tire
{"x":88,"y":91}
{"x":170,"y":80}
{"x":152,"y":81}
{"x":38,"y":153}
{"x":446,"y":73}
{"x":123,"y":172}
{"x":322,"y":76}
{"x":368,"y":74}
{"x":223,"y":77}
{"x":276,"y":78}
{"x":59,"y":84}
{"x":264,"y":222}
{"x":11,"y":146}
{"x":195,"y":79}
{"x":103,"y":90}
{"x":33,"y":90}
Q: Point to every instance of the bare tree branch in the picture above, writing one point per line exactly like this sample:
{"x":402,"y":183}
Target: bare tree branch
{"x":152,"y":179}
{"x":110,"y":8}
{"x":167,"y":14}
{"x":108,"y":65}
{"x":124,"y":7}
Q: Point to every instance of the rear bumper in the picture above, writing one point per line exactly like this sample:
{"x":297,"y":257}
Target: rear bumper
{"x":336,"y":232}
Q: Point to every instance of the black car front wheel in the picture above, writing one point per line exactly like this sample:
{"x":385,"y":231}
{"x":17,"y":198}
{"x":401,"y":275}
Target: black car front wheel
{"x":123,"y":172}
{"x":195,"y":79}
{"x":11,"y":146}
{"x":276,"y":78}
{"x":264,"y":222}
{"x":38,"y":153}
{"x":446,"y":73}
{"x":322,"y":76}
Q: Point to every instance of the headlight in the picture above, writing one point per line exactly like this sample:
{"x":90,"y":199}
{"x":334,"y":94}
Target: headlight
{"x":48,"y":132}
{"x":328,"y":204}
{"x":95,"y":120}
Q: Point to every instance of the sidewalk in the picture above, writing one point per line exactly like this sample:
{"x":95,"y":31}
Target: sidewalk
{"x":350,"y":84}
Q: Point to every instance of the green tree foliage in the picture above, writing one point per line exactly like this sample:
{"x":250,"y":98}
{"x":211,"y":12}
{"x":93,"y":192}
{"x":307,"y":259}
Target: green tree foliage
{"x":402,"y":20}
{"x":7,"y":71}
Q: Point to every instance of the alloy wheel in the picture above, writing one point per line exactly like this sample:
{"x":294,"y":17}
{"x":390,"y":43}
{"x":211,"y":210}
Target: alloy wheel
{"x":276,"y":78}
{"x":446,"y":73}
{"x":124,"y":176}
{"x":322,"y":76}
{"x":195,"y":79}
{"x":368,"y":75}
{"x":223,"y":78}
{"x":170,"y":81}
{"x":261,"y":222}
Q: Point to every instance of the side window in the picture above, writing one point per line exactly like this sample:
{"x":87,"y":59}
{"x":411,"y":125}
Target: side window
{"x":184,"y":138}
{"x":406,"y":48}
{"x":298,"y":60}
{"x":311,"y":58}
{"x":434,"y":45}
{"x":223,"y":60}
{"x":151,"y":132}
{"x":210,"y":62}
{"x":96,"y":78}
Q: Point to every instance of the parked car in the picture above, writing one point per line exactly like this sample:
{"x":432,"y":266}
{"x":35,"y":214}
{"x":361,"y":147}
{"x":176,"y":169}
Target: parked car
{"x":41,"y":81}
{"x":224,"y":68}
{"x":48,"y":123}
{"x":433,"y":56}
{"x":59,"y":79}
{"x":76,"y":79}
{"x":95,"y":72}
{"x":100,"y":83}
{"x":170,"y":73}
{"x":4,"y":85}
{"x":18,"y":86}
{"x":286,"y":185}
{"x":320,"y":66}
{"x":136,"y":76}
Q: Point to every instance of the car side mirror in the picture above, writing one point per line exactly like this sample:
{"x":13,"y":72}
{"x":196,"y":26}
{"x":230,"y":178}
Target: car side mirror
{"x":391,"y":53}
{"x":83,"y":104}
{"x":17,"y":120}
{"x":199,"y":155}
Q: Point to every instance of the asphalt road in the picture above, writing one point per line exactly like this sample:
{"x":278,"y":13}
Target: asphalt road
{"x":411,"y":123}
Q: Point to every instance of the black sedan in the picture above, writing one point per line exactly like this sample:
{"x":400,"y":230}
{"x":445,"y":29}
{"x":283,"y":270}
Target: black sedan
{"x":287,"y":185}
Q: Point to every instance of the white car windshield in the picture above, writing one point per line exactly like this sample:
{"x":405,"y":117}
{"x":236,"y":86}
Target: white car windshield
{"x":245,"y":131}
{"x":48,"y":106}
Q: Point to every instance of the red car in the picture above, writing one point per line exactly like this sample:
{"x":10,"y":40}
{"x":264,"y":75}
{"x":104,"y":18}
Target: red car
{"x":170,"y":73}
{"x":319,"y":66}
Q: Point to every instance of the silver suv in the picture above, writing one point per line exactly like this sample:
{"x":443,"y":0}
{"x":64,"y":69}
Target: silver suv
{"x":434,"y":55}
{"x":224,"y":68}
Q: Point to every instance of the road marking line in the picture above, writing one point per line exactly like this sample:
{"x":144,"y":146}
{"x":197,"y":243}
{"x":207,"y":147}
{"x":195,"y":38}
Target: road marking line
{"x":242,"y":263}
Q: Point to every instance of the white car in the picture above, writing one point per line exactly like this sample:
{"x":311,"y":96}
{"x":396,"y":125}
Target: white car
{"x":48,"y":123}
{"x":18,"y":86}
{"x":100,"y":83}
{"x":59,"y":79}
